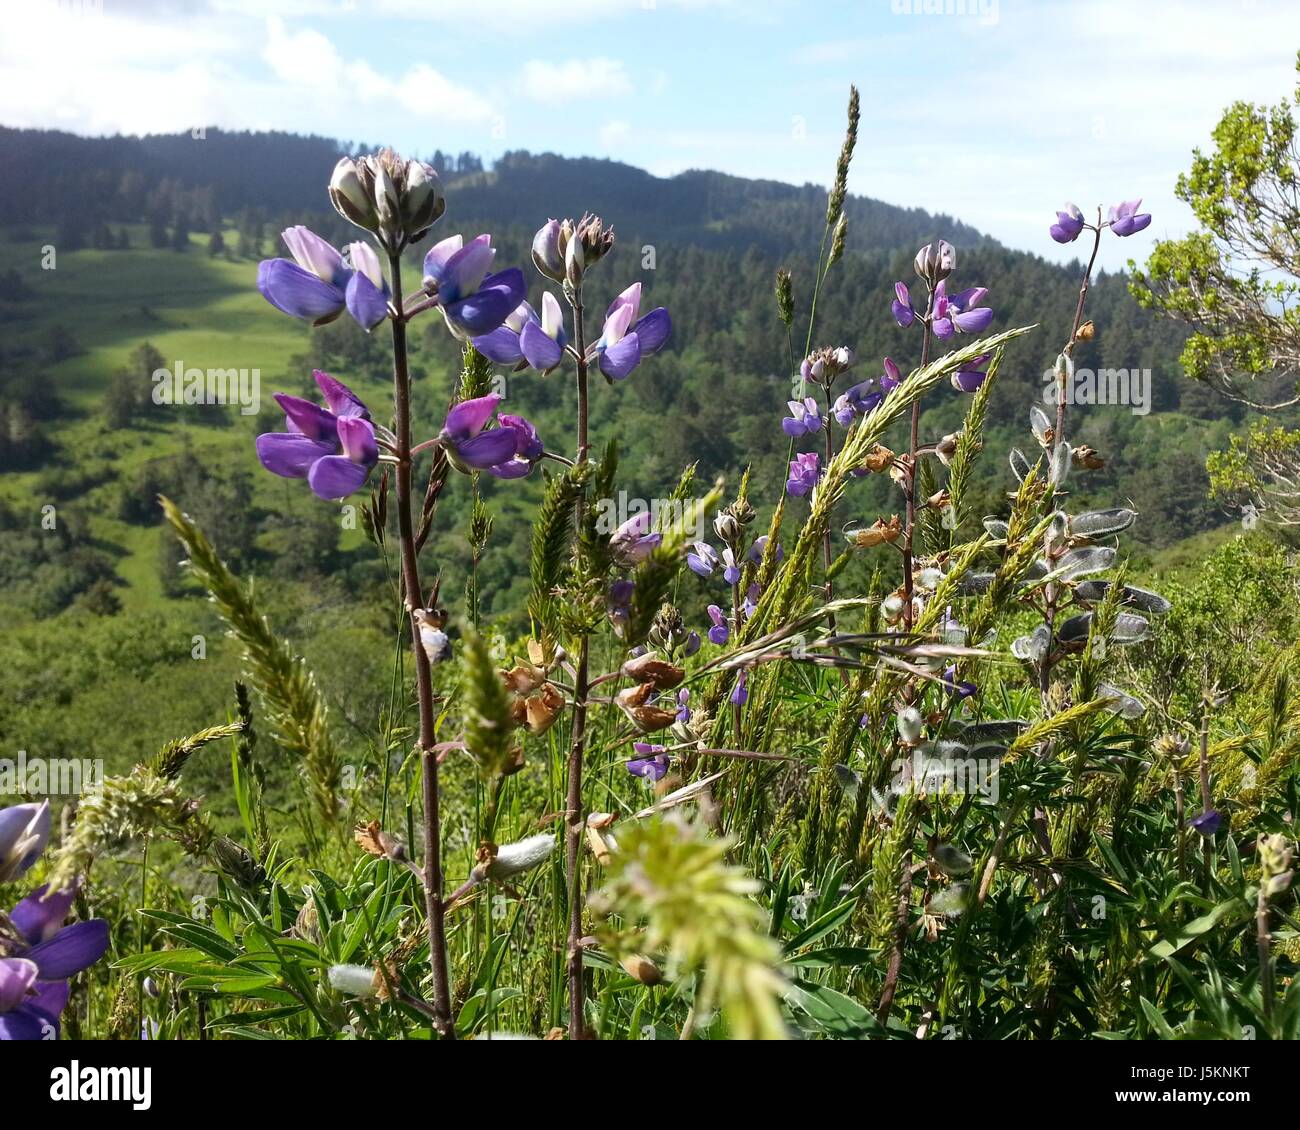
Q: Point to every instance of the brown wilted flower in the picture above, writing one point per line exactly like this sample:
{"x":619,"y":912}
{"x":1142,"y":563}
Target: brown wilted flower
{"x":641,"y":968}
{"x":878,"y":532}
{"x":373,"y":840}
{"x":537,"y":702}
{"x":877,"y":459}
{"x":649,"y":668}
{"x":940,"y":500}
{"x":1085,"y":457}
{"x":900,"y":469}
{"x":1087,"y":331}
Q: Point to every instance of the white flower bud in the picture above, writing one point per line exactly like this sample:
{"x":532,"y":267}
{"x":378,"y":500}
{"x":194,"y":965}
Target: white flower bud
{"x":910,"y":725}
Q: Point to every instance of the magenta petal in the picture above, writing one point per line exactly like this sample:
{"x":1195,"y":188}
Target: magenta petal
{"x":341,"y":399}
{"x":622,"y":357}
{"x":488,"y":449}
{"x":297,"y":292}
{"x":336,"y":476}
{"x":540,"y":350}
{"x":305,"y":417}
{"x":468,"y":417}
{"x":292,"y":456}
{"x":357,"y":438}
{"x":71,"y":950}
{"x":39,"y":916}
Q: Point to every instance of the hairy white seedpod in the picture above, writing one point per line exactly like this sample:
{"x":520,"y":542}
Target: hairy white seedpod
{"x":523,"y":855}
{"x":891,"y":608}
{"x":354,"y":980}
{"x":929,"y":579}
{"x":909,"y":724}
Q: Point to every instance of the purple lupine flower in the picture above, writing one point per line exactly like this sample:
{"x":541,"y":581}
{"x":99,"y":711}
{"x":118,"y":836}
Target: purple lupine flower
{"x":759,"y":547}
{"x":904,"y":314}
{"x":313,"y":286}
{"x":719,"y":633}
{"x":40,"y":959}
{"x":961,"y":313}
{"x":805,"y":471}
{"x":740,"y":695}
{"x":472,"y":301}
{"x":969,"y":378}
{"x":857,"y":401}
{"x":333,"y":448}
{"x":625,"y":338}
{"x":24,"y":831}
{"x":524,"y":337}
{"x":1068,"y":225}
{"x":632,"y":542}
{"x":367,"y":291}
{"x":652,"y":763}
{"x":804,"y":418}
{"x":702,"y":560}
{"x":750,"y":604}
{"x":1126,"y":220}
{"x":468,"y":446}
{"x":892,"y":377}
{"x":618,"y":604}
{"x":962,"y":690}
{"x":1207,"y":823}
{"x":528,"y":448}
{"x":684,"y":704}
{"x":692,"y":644}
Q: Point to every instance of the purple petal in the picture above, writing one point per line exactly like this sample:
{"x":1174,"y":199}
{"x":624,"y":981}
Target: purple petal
{"x":336,"y":476}
{"x":297,"y":292}
{"x":468,"y":417}
{"x":290,"y":455}
{"x":24,"y":1024}
{"x":540,"y":350}
{"x":366,"y":302}
{"x":653,"y":330}
{"x":465,"y":270}
{"x":40,"y":915}
{"x":974,"y":321}
{"x":17,"y":976}
{"x":357,"y":438}
{"x":903,"y":315}
{"x":502,"y":345}
{"x":487,"y":449}
{"x":342,"y":400}
{"x":621,"y":358}
{"x":71,"y":950}
{"x":490,"y":305}
{"x":306,"y":418}
{"x":23,"y":824}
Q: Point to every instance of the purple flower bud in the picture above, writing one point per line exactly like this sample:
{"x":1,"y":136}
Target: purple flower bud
{"x":684,"y":702}
{"x":702,"y":560}
{"x":740,"y":695}
{"x":1207,"y":823}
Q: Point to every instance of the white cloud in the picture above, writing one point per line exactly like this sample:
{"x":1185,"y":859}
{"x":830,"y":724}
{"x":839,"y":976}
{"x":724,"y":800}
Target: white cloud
{"x":575,"y":79}
{"x":614,"y":135}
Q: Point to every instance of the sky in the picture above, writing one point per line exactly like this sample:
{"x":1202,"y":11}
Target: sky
{"x":992,"y":111}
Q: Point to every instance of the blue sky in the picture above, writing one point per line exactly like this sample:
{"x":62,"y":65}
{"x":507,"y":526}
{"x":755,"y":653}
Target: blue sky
{"x":995,"y":111}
